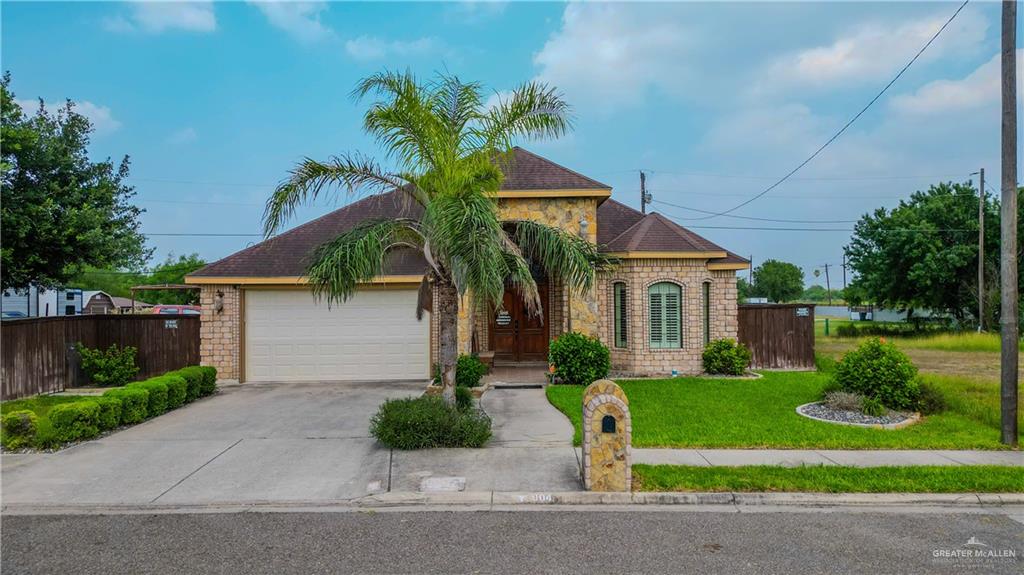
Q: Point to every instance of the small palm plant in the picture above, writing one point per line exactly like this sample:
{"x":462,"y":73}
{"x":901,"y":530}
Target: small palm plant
{"x":448,"y":147}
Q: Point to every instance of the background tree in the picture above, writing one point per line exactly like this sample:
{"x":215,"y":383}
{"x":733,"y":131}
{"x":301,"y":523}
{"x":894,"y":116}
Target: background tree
{"x":119,"y":282}
{"x":448,"y":148}
{"x":60,"y":211}
{"x":924,"y":253}
{"x":778,"y":281}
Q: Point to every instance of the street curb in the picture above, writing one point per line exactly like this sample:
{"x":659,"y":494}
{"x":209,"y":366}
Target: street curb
{"x":487,"y":500}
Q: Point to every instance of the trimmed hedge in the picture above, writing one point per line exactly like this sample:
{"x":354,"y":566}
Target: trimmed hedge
{"x":177,"y":389}
{"x":201,"y":379}
{"x":134,"y":403}
{"x":74,"y":421}
{"x":157,"y":395}
{"x":19,"y":428}
{"x":110,"y":412}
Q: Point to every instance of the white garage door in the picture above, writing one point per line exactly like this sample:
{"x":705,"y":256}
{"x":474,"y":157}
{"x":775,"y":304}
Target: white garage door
{"x":289,"y":336}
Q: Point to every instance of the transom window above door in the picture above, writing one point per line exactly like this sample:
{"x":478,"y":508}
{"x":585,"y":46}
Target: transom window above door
{"x":664,"y":311}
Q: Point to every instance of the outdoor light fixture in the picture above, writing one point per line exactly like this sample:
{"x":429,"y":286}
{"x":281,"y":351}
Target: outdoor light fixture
{"x":584,"y":224}
{"x":218,"y":302}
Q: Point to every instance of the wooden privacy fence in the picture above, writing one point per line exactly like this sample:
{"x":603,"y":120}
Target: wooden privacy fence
{"x":38,"y":354}
{"x":780,"y":336}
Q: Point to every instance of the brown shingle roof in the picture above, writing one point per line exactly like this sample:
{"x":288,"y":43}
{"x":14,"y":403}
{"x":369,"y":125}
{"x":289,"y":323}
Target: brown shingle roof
{"x":528,"y":171}
{"x":623,"y":229}
{"x":730,"y":258}
{"x":620,"y":228}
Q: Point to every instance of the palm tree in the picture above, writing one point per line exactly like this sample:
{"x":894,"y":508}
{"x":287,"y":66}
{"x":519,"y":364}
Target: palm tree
{"x":448,"y":147}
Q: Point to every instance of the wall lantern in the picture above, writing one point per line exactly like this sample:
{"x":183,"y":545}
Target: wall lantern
{"x":584,"y":224}
{"x":218,"y":302}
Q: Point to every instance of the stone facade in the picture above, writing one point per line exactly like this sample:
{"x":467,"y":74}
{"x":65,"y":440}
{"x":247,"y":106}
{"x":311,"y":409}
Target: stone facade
{"x":220,"y":333}
{"x":637,"y":357}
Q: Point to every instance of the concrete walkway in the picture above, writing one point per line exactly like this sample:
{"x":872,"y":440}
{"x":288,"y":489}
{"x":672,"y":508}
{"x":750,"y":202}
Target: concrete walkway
{"x":850,"y":458}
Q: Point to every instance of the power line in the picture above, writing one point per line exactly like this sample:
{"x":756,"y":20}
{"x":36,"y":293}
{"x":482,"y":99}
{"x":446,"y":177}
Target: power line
{"x":788,"y":229}
{"x":849,"y":123}
{"x":205,"y":235}
{"x":800,"y":179}
{"x":758,"y":219}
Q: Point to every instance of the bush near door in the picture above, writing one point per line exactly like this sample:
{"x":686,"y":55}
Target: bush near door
{"x":469,"y":370}
{"x":579,"y":359}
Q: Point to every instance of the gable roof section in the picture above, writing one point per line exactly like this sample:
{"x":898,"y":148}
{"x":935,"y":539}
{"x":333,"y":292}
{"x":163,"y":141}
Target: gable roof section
{"x":529,"y":172}
{"x":624,"y":231}
{"x":285,"y":255}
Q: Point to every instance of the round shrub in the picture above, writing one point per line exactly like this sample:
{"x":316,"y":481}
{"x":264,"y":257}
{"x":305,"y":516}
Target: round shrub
{"x":76,"y":420}
{"x":110,"y":412}
{"x":134,"y":403}
{"x":111,"y":367}
{"x":426,"y":422}
{"x":18,"y":428}
{"x":579,"y":359}
{"x":877,"y":370}
{"x":726,"y":357}
{"x":469,"y":370}
{"x":208,"y":385}
{"x":157,"y":390}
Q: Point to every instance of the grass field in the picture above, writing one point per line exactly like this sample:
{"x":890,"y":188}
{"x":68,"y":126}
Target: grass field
{"x":916,"y":479}
{"x":731,"y":413}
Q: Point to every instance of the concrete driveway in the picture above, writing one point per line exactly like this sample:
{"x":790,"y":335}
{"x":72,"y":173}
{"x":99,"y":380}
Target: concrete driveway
{"x":294,"y":442}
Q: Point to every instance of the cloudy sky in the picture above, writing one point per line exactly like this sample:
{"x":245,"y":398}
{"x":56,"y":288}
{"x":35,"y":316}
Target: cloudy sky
{"x":215,"y":101}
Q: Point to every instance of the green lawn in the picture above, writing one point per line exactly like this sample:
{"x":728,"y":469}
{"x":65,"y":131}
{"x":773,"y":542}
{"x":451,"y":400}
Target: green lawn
{"x":731,"y":413}
{"x":41,"y":406}
{"x":915,"y":479}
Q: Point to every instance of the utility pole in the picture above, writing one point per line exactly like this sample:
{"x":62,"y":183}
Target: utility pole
{"x":981,"y":251}
{"x":828,"y":286}
{"x":844,"y":274}
{"x":1009,"y":311}
{"x":643,"y":192}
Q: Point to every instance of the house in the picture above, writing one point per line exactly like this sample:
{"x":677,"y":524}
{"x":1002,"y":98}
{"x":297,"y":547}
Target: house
{"x":33,"y":301}
{"x":100,"y":302}
{"x":673,"y":292}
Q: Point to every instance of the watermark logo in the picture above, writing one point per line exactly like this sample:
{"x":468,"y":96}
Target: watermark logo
{"x":974,"y":554}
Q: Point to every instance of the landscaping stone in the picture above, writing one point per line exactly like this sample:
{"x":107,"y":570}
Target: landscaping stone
{"x":891,"y":420}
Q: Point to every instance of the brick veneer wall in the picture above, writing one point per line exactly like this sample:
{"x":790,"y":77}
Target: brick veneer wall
{"x":220,"y":333}
{"x":638,"y":358}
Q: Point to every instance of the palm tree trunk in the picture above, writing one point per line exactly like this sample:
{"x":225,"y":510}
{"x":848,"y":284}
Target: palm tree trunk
{"x":448,"y":336}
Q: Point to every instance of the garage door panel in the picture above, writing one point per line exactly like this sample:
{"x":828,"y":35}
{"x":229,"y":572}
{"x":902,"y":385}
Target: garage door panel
{"x":375,"y":335}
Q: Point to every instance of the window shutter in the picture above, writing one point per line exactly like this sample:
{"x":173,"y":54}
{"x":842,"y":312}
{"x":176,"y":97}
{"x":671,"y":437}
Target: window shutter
{"x":620,"y":315}
{"x":672,"y":319}
{"x":655,"y":319}
{"x":665,"y":315}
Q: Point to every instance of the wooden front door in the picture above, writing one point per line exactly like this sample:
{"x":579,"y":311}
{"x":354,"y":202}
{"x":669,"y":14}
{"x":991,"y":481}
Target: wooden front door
{"x":515,"y":334}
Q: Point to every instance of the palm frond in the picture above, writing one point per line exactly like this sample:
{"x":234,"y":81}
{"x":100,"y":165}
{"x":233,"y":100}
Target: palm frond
{"x":357,"y":256}
{"x":310,"y":178}
{"x":564,"y":256}
{"x":533,"y":111}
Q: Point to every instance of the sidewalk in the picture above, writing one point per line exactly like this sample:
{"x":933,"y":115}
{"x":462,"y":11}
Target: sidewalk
{"x":797,"y":457}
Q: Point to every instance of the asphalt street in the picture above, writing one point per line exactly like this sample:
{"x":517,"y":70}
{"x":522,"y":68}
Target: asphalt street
{"x":547,"y":541}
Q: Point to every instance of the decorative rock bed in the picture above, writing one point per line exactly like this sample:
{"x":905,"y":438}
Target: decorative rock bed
{"x":818,"y":411}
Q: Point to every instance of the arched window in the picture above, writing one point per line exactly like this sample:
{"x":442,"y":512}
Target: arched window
{"x":621,"y":317}
{"x":707,"y":312}
{"x":664,"y":312}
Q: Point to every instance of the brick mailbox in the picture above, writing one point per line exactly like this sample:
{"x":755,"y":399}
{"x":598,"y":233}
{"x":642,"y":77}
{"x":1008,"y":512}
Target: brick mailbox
{"x":607,"y":431}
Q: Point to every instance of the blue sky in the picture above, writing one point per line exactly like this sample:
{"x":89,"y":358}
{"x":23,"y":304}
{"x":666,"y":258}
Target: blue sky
{"x":214,"y":102}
